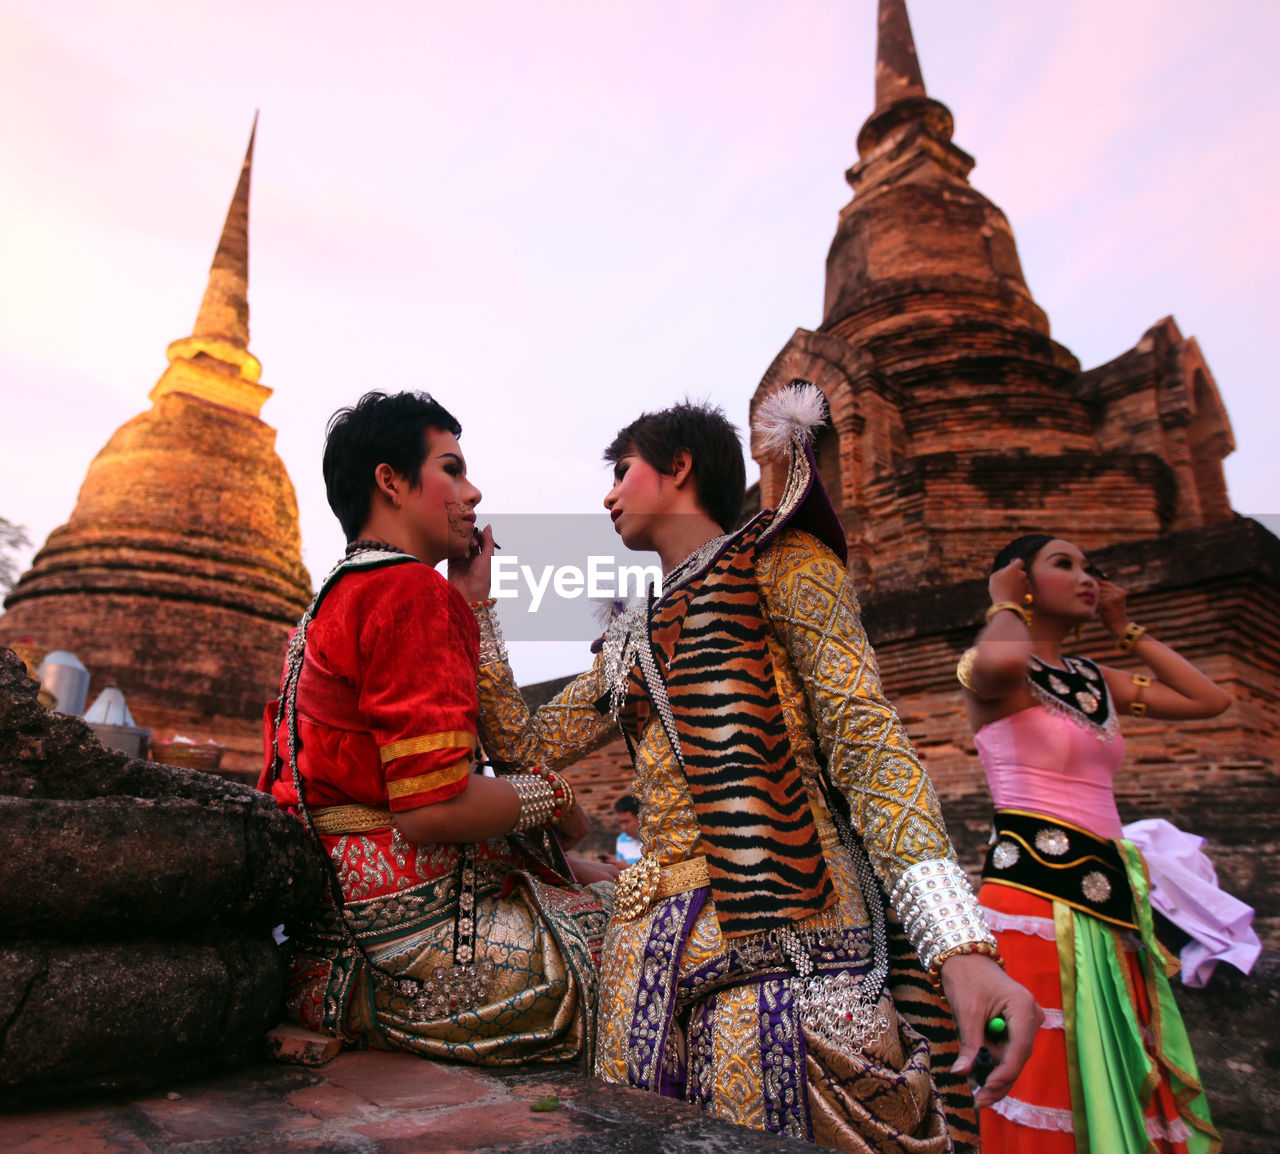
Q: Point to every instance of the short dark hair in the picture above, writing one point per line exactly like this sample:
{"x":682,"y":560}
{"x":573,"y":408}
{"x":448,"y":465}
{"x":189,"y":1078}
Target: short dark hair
{"x":626,"y":804}
{"x":719,"y":473}
{"x":378,"y":428}
{"x":1022,"y":548}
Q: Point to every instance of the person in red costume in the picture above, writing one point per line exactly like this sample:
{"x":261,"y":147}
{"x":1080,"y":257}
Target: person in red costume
{"x":454,"y":927}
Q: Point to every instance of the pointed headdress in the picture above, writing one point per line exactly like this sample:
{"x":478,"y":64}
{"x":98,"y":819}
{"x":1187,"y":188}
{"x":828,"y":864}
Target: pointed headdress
{"x":785,"y":424}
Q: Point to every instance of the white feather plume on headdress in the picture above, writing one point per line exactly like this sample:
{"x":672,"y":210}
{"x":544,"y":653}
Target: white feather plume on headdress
{"x":794,"y":411}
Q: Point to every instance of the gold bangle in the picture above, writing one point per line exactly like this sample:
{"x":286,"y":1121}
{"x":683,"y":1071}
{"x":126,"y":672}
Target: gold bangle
{"x":964,"y":948}
{"x":1138,"y":707}
{"x":564,"y":796}
{"x":1129,"y":638}
{"x":1012,"y":607}
{"x":561,"y":790}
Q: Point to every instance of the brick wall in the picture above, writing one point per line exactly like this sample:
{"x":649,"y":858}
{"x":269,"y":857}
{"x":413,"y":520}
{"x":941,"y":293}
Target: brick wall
{"x":1218,"y":605}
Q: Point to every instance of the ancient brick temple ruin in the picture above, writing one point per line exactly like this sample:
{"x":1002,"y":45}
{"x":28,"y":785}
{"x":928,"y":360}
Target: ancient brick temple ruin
{"x":179,"y":573}
{"x":958,"y":423}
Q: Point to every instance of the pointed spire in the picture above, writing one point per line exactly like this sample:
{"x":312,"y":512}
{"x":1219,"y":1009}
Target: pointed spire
{"x":224,"y":312}
{"x":214,"y":363}
{"x":904,"y":111}
{"x":898,"y":74}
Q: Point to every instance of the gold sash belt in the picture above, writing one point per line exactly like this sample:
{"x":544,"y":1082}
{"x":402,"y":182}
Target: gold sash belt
{"x":646,"y":882}
{"x":335,"y":820}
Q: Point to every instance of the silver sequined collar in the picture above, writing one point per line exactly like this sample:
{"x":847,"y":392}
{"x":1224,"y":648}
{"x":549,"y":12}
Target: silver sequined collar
{"x":1076,"y":691}
{"x":630,"y":626}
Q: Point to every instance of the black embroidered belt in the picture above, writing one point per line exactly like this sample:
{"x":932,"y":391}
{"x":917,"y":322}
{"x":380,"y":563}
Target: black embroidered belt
{"x":1061,"y":862}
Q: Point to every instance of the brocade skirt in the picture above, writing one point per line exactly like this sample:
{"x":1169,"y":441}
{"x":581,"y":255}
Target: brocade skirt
{"x":682,"y":1015}
{"x":529,"y":996}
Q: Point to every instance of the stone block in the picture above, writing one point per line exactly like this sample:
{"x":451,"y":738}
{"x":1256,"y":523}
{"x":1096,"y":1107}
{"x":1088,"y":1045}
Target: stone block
{"x":404,"y":1081}
{"x":136,"y":904}
{"x":128,"y":1015}
{"x":495,"y":1126}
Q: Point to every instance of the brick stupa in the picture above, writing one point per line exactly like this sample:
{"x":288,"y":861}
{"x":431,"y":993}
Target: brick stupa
{"x":179,"y":573}
{"x":958,"y":423}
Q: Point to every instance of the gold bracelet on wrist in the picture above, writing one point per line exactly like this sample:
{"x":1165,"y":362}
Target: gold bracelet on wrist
{"x":1129,"y":638}
{"x":562,"y":790}
{"x":967,"y":948}
{"x":550,"y":797}
{"x":1012,"y":607}
{"x":1138,"y":707}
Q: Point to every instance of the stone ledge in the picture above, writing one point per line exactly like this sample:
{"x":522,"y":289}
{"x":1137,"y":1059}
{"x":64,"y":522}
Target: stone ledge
{"x":377,"y":1103}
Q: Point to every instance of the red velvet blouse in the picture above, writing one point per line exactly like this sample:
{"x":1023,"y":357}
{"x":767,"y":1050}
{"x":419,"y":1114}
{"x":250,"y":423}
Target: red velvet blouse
{"x":387,"y":698}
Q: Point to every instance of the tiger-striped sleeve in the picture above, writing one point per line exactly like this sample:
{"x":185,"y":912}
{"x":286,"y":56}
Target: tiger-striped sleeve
{"x":813,"y":608}
{"x":565,"y":729}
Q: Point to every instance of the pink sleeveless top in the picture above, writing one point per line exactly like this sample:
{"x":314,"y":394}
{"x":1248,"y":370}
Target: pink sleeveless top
{"x":1041,"y":761}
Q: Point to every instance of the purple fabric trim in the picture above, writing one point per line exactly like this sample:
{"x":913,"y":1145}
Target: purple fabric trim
{"x":655,"y":994}
{"x":782,"y":1062}
{"x":701,"y":1045}
{"x":842,"y":951}
{"x":813,"y":512}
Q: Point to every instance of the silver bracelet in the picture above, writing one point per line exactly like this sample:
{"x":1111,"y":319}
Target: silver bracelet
{"x":537,"y":800}
{"x":939,"y":911}
{"x":493,"y":650}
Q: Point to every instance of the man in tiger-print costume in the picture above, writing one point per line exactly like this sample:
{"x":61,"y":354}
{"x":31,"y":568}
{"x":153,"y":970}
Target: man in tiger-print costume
{"x":753,"y":964}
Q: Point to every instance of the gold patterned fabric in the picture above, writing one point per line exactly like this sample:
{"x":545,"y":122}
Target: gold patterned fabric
{"x":681,"y":1008}
{"x":475,"y":953}
{"x":521,"y":1001}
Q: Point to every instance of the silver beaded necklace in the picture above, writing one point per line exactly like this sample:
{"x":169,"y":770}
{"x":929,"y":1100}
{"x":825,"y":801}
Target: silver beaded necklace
{"x":629,"y":629}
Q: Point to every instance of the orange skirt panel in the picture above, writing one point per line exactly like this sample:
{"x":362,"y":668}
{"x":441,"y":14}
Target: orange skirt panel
{"x":1035,"y":1117}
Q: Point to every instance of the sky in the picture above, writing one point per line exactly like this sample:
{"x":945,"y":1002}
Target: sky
{"x":554,"y":215}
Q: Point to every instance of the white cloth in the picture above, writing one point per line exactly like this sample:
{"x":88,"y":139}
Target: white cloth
{"x":628,"y":849}
{"x":1184,"y":887}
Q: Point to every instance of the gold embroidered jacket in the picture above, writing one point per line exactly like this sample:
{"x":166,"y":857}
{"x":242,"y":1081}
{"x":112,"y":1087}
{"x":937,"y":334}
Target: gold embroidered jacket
{"x":830,"y":690}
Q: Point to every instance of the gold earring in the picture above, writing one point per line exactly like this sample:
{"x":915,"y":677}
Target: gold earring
{"x":1028,"y":599}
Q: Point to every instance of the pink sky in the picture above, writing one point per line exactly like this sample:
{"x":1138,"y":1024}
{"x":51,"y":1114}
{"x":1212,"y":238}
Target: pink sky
{"x":556,"y":214}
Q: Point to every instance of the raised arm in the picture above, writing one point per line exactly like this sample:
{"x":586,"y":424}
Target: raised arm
{"x":561,"y":731}
{"x":1177,"y":691}
{"x":998,"y":666}
{"x":417,"y":693}
{"x":566,"y":728}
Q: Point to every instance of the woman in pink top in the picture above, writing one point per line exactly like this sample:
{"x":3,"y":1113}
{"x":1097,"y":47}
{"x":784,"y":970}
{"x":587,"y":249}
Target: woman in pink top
{"x":1067,"y":896}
